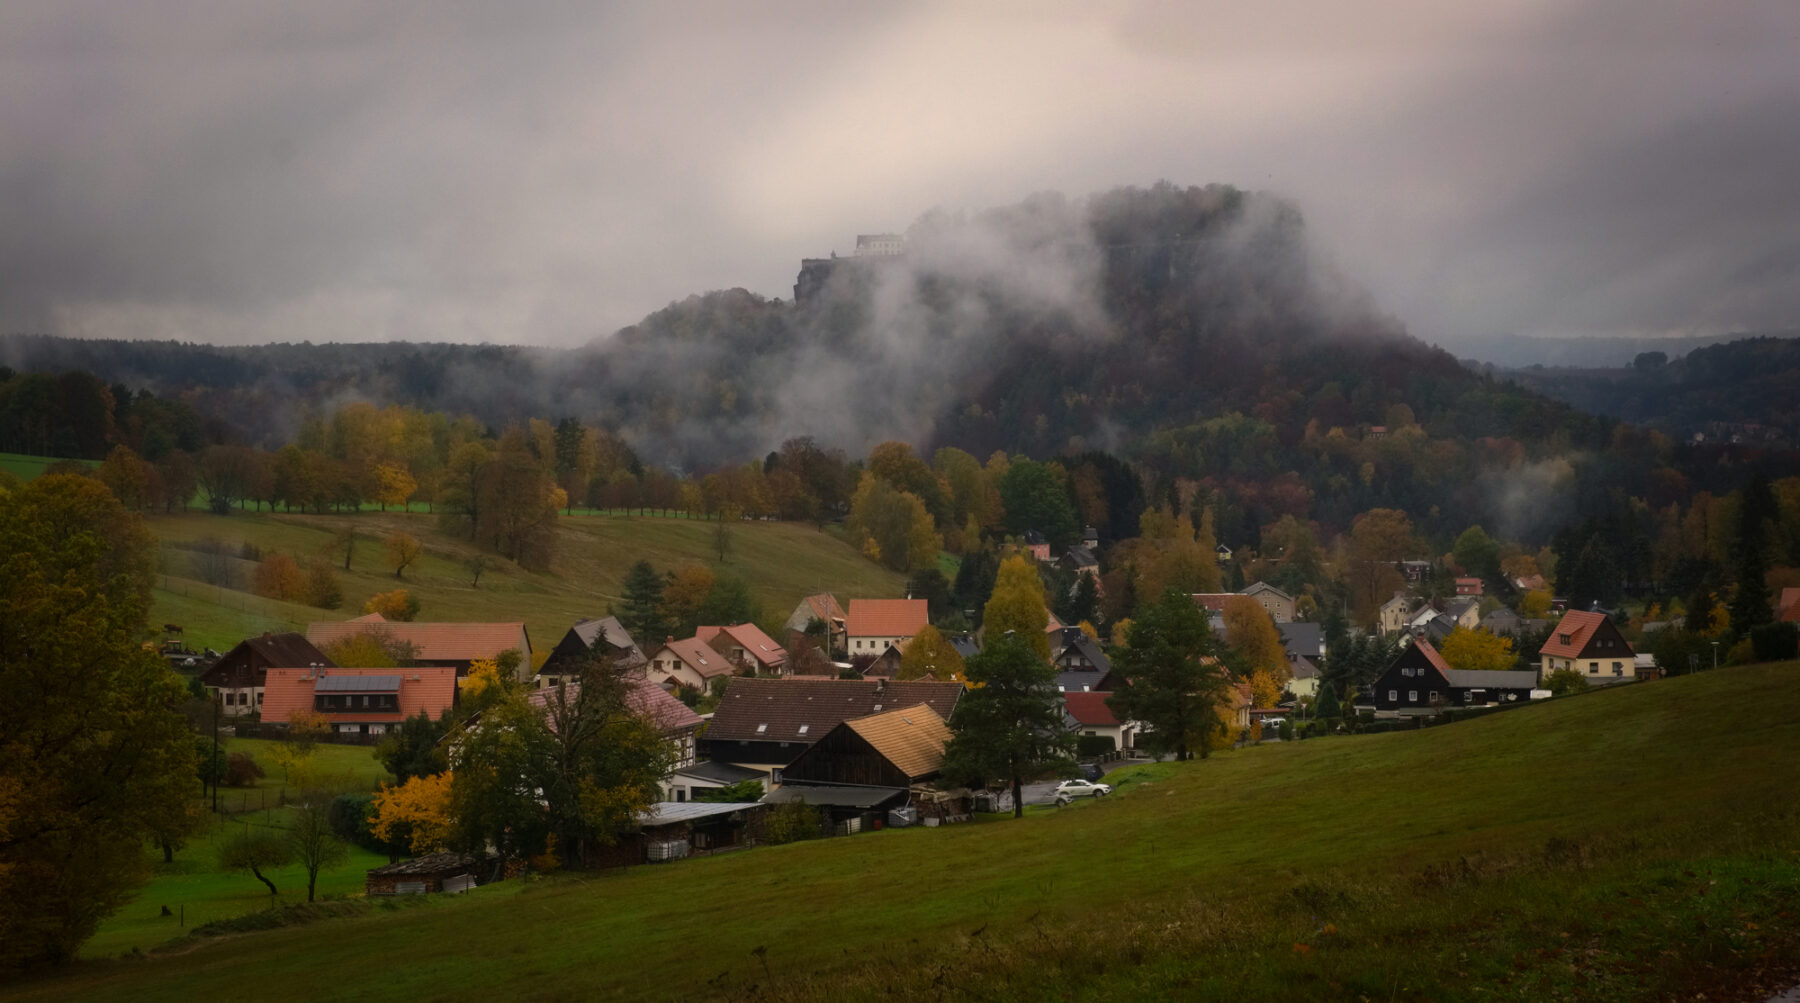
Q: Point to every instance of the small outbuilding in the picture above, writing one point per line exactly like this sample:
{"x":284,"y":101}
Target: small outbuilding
{"x":436,"y":872}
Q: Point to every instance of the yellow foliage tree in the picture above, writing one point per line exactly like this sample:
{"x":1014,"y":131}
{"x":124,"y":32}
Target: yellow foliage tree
{"x":1250,"y":632}
{"x":395,"y":605}
{"x":1089,"y":629}
{"x":394,"y":484}
{"x":1535,"y":604}
{"x":1265,"y":689}
{"x":930,"y":655}
{"x":361,"y":651}
{"x":417,"y":812}
{"x":1017,"y":604}
{"x":1477,"y":650}
{"x":278,"y":576}
{"x":1121,"y":632}
{"x":402,"y":550}
{"x":687,"y":588}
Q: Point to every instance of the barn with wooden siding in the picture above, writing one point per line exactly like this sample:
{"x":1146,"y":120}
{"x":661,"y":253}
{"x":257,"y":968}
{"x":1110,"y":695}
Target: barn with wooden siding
{"x":896,"y":748}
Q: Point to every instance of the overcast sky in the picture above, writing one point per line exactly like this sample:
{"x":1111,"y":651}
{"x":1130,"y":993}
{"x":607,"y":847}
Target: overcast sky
{"x":545,"y":173}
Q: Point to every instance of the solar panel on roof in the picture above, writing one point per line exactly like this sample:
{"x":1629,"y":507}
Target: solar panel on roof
{"x":358,"y":684}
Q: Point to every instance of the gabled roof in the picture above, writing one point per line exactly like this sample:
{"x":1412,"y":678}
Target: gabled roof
{"x":886,"y":617}
{"x":431,"y":642}
{"x":645,"y":698}
{"x":1431,"y":655}
{"x":751,"y":638}
{"x":265,"y":651}
{"x":1457,"y":606}
{"x":697,"y":655}
{"x":1399,"y":597}
{"x":1079,"y":557}
{"x":1261,"y":587}
{"x":1079,"y":680}
{"x":1302,"y":667}
{"x":774,"y":710}
{"x":825,"y":607}
{"x":1212,"y":600}
{"x":1090,"y":709}
{"x":1075,"y":637}
{"x":1488,"y":679}
{"x":1580,"y":628}
{"x":1302,"y":638}
{"x":965,"y":645}
{"x":609,"y":628}
{"x":671,"y":812}
{"x":1788,"y":608}
{"x":431,"y":863}
{"x":720,"y":773}
{"x":912,"y":738}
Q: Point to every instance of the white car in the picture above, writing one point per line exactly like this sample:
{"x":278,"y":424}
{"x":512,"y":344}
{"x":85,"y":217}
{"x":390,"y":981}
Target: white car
{"x":1080,"y":789}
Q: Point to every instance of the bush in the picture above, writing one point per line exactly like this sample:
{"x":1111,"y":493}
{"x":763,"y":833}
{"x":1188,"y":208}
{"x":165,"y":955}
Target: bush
{"x":790,"y":823}
{"x":1287,"y":731}
{"x":1562,"y":682}
{"x":241,"y":770}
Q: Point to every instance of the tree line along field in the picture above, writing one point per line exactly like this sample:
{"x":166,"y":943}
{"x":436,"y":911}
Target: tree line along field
{"x":1635,"y":843}
{"x":781,"y":562}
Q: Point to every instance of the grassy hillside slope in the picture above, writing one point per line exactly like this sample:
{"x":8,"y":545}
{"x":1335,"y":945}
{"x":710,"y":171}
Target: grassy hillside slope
{"x":781,"y":562}
{"x":1626,"y":844}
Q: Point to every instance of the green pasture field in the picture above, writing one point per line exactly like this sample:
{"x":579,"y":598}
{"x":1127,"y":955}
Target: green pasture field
{"x":781,"y":562}
{"x":1639,"y":843}
{"x":28,"y":467}
{"x":193,"y":888}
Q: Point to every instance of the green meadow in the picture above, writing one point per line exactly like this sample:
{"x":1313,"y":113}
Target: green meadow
{"x":1642,"y":843}
{"x":781,"y":563}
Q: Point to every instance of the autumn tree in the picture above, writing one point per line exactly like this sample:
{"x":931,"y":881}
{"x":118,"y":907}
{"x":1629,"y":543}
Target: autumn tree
{"x":322,"y":588}
{"x":1010,"y":723}
{"x":413,"y":748}
{"x":278,"y":576}
{"x":1017,"y":606}
{"x":894,"y":526}
{"x":416,"y":813}
{"x":1477,"y":650}
{"x":930,"y":656}
{"x":127,"y":477}
{"x":1174,"y":679}
{"x":1253,"y":635}
{"x":682,"y":596}
{"x":402,"y":550}
{"x":397,"y":604}
{"x":1379,"y":539}
{"x":94,"y":758}
{"x":394,"y":485}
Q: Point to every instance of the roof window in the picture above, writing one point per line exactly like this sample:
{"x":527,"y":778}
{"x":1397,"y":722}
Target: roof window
{"x":762,"y":728}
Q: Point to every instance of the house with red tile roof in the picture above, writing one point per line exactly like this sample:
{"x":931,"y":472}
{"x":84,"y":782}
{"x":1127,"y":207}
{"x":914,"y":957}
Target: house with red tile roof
{"x":688,"y":662}
{"x":676,"y":720}
{"x":359,"y":701}
{"x":239,"y":676}
{"x":873,"y":624}
{"x":453,"y":644}
{"x":823,"y":608}
{"x":1088,"y":715}
{"x":1788,"y":608}
{"x":1468,"y":586}
{"x":1590,"y":644}
{"x":748,"y":647}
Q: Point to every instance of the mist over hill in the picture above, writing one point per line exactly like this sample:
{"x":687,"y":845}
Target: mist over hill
{"x":1052,"y":324}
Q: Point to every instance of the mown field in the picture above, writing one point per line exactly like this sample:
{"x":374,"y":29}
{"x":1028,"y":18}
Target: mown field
{"x":1636,"y":844}
{"x":781,"y":562}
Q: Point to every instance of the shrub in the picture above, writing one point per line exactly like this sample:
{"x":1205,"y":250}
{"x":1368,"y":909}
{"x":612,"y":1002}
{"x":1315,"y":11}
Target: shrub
{"x":791,"y":822}
{"x":241,"y":770}
{"x":1565,"y":681}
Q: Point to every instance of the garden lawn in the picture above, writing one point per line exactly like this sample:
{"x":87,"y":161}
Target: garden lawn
{"x":1635,"y":843}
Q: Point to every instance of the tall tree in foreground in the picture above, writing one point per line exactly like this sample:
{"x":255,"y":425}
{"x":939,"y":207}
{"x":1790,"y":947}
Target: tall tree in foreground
{"x":641,"y":613}
{"x":94,"y":758}
{"x":1017,"y":606}
{"x":1174,"y":678}
{"x":1010,"y":722}
{"x":310,"y":836}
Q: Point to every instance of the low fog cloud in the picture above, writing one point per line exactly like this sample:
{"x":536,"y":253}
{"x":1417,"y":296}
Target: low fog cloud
{"x":547,"y":173}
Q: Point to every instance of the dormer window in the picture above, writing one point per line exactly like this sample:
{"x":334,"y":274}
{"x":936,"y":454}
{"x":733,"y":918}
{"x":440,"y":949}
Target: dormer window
{"x":1565,"y":638}
{"x":803,"y":729}
{"x":762,"y":729}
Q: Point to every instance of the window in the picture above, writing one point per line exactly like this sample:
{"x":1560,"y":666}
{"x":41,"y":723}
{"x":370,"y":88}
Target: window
{"x":1618,"y":668}
{"x":803,"y":729}
{"x":1412,"y":696}
{"x":1393,"y":695}
{"x":762,"y":729}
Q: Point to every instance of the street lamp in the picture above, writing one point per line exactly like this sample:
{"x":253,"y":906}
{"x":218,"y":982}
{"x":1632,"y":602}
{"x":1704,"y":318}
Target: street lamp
{"x":1715,"y":645}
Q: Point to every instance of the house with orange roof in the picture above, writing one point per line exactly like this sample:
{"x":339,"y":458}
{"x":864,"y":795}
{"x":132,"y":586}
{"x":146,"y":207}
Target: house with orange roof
{"x":1590,"y":644}
{"x":823,"y":608}
{"x":1419,"y":682}
{"x":688,"y":662}
{"x":748,"y":647}
{"x":874,"y":624}
{"x":454,"y":644}
{"x":896,"y":748}
{"x":358,"y":701}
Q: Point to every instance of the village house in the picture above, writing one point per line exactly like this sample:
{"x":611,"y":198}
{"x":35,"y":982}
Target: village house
{"x":1081,"y":667}
{"x":457,"y":645}
{"x":1035,"y":544}
{"x":359,"y":701}
{"x":1393,"y":615}
{"x":747,"y":647}
{"x":1303,"y":676}
{"x":238,"y":677}
{"x":1419,"y":681}
{"x":1088,"y":715}
{"x":873,"y":624}
{"x":675,"y":720}
{"x":434,"y":872}
{"x":1080,"y":561}
{"x":1590,"y":644}
{"x":764,"y":724}
{"x":825,"y":609}
{"x":689,"y":782}
{"x":1787,"y":609}
{"x":602,"y":637}
{"x":1468,"y":586}
{"x":688,"y":662}
{"x":1279,"y":604}
{"x":895,"y":748}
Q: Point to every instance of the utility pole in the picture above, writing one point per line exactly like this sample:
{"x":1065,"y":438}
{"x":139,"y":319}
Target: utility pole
{"x":214,"y":767}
